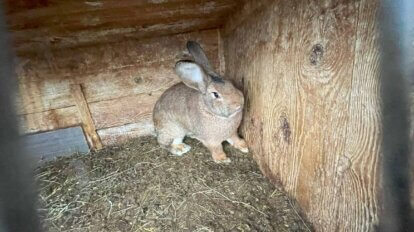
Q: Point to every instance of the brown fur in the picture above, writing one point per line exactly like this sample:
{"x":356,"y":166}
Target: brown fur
{"x":191,"y":109}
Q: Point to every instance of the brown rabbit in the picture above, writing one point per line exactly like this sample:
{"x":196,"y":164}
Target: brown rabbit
{"x":203,"y":106}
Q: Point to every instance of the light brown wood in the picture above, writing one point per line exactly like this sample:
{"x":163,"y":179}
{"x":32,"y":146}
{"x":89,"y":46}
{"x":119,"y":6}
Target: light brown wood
{"x":49,"y":120}
{"x":360,"y":164}
{"x":85,"y":115}
{"x":309,"y":70}
{"x":120,"y":134}
{"x":106,"y":71}
{"x":121,"y":13}
{"x":120,"y":83}
{"x":60,"y":24}
{"x":125,"y":110}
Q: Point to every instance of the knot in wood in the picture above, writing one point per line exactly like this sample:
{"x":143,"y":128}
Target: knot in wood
{"x":344,"y":163}
{"x":138,"y":80}
{"x":316,"y":54}
{"x":285,"y":127}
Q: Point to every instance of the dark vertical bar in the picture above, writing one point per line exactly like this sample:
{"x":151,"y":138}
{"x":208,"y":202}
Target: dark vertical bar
{"x":17,"y":198}
{"x":397,"y":44}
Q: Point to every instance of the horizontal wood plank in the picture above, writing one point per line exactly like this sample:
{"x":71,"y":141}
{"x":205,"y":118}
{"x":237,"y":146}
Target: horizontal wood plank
{"x":105,"y":114}
{"x":59,"y":24}
{"x":120,"y":134}
{"x":33,"y":9}
{"x":39,"y":44}
{"x":117,"y":16}
{"x":121,"y":111}
{"x":63,"y":63}
{"x":49,"y":120}
{"x":106,"y":72}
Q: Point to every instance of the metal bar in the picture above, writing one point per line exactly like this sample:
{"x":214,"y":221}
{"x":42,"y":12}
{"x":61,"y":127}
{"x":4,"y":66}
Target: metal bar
{"x":397,"y":45}
{"x":17,"y":196}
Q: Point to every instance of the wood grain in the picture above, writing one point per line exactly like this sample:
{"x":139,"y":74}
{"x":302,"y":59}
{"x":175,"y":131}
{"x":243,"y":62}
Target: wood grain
{"x":106,"y":71}
{"x":49,"y":120}
{"x":125,"y":110}
{"x":359,"y":166}
{"x":61,"y":24}
{"x":116,"y":15}
{"x":36,"y":8}
{"x":312,"y":112}
{"x":120,"y":134}
{"x":86,"y":117}
{"x":120,"y":81}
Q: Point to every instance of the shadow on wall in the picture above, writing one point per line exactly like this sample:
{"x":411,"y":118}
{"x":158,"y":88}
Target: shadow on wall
{"x":17,"y":198}
{"x":397,"y":70}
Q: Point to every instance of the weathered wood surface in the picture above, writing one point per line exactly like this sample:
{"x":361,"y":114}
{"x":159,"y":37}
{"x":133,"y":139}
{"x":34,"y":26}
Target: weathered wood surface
{"x":106,"y":71}
{"x":87,"y":122}
{"x":48,"y":145}
{"x":359,"y":166}
{"x":119,"y":134}
{"x":309,"y":70}
{"x":49,"y":120}
{"x":121,"y":82}
{"x":121,"y":111}
{"x":57,"y":23}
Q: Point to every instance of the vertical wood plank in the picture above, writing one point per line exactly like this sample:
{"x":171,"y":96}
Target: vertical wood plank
{"x":359,"y":166}
{"x":86,"y":117}
{"x":311,"y":118}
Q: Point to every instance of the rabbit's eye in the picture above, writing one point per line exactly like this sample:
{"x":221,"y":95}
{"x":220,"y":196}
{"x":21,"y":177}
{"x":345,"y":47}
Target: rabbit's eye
{"x":215,"y":94}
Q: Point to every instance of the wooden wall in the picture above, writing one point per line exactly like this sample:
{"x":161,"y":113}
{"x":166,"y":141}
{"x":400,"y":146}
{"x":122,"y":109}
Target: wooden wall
{"x":54,"y":24}
{"x":120,"y":81}
{"x":309,"y":70}
{"x":111,"y":58}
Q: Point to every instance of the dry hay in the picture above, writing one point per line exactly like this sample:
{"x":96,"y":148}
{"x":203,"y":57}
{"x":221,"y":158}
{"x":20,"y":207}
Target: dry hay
{"x":140,"y":187}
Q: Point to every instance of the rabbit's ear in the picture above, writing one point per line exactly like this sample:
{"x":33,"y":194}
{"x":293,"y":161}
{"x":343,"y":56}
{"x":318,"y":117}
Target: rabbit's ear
{"x":192,"y":75}
{"x":200,"y":57}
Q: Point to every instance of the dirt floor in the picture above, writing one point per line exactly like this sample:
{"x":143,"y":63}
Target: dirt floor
{"x":140,"y":187}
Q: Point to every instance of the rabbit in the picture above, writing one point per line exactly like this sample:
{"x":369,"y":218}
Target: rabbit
{"x":203,"y":106}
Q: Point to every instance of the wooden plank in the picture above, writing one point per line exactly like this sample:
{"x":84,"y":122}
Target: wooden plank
{"x":37,"y":43}
{"x":121,"y":82}
{"x":60,"y":24}
{"x":85,"y":115}
{"x":54,"y":94}
{"x":49,"y":120}
{"x":116,"y":120}
{"x":57,"y":64}
{"x":106,"y":71}
{"x":51,"y":144}
{"x":131,"y":115}
{"x":125,"y":110}
{"x":119,"y":16}
{"x":18,"y":8}
{"x":299,"y":84}
{"x":359,"y":166}
{"x":120,"y":134}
